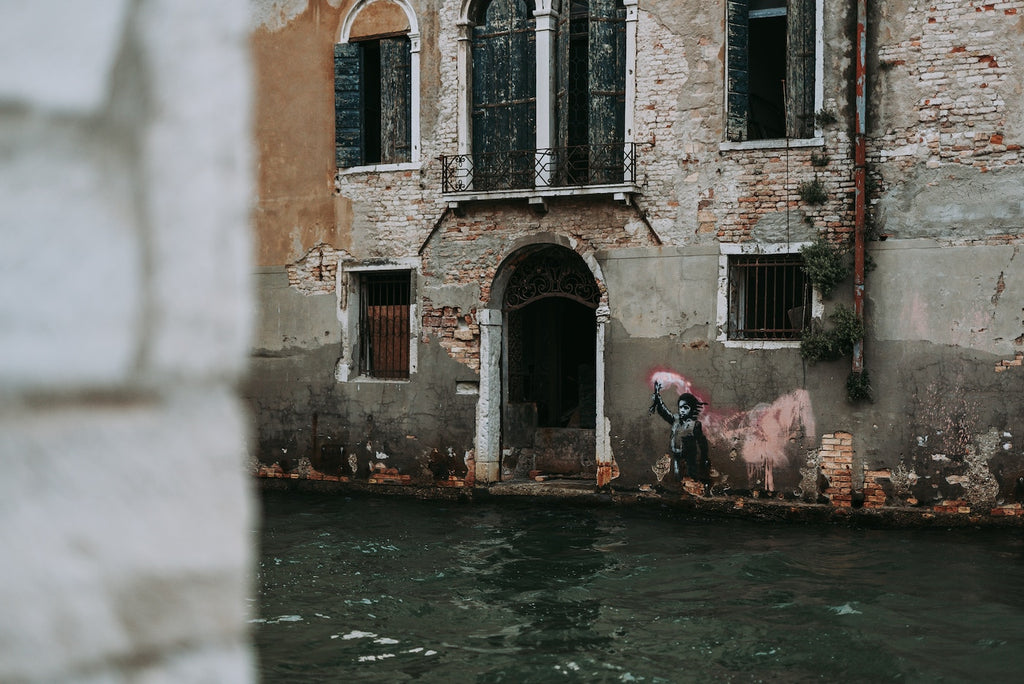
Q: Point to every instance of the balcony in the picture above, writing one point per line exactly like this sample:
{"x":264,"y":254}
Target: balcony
{"x":539,"y":174}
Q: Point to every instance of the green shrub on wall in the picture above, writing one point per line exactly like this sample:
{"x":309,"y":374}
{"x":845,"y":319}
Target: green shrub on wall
{"x":812,"y":192}
{"x":819,"y":344}
{"x":826,"y":265}
{"x":858,"y":386}
{"x":838,"y":341}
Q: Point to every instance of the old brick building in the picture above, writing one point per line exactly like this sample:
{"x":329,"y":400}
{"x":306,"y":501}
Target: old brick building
{"x":487,"y":231}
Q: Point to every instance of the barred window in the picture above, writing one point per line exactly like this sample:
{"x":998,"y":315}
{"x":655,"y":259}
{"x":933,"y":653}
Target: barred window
{"x":769,"y":297}
{"x":384,"y":320}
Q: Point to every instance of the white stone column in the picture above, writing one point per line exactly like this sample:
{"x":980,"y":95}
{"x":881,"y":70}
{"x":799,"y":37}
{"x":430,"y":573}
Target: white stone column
{"x":545,"y":87}
{"x":488,"y":411}
{"x":465,"y":94}
{"x":414,"y":64}
{"x":631,"y":35}
{"x":602,"y":431}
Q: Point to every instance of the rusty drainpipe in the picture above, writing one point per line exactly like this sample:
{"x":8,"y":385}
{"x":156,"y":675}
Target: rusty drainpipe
{"x":859,"y":180}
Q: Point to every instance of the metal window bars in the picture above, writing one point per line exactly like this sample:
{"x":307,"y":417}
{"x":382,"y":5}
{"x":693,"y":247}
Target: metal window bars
{"x":384,"y":324}
{"x":769,"y":297}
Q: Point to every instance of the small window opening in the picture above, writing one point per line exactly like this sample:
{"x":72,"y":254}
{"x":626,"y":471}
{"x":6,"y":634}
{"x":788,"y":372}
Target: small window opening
{"x":371,"y":101}
{"x":769,"y":297}
{"x":767,"y":55}
{"x":384,"y":324}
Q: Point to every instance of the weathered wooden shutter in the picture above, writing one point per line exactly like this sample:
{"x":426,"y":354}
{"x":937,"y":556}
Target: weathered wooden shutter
{"x":523,"y":81}
{"x":348,"y":105}
{"x":504,"y":101}
{"x":562,"y":75}
{"x":738,"y":80}
{"x":395,"y":104}
{"x":607,"y":83}
{"x":800,"y":34}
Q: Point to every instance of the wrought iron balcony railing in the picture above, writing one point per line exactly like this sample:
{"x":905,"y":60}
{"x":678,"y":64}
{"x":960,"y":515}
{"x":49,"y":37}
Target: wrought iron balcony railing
{"x":553,"y":167}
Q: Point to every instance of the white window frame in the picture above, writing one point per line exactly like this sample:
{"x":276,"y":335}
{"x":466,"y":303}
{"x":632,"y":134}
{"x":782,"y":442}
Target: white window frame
{"x":414,"y":86}
{"x":348,"y":289}
{"x":727,"y":250}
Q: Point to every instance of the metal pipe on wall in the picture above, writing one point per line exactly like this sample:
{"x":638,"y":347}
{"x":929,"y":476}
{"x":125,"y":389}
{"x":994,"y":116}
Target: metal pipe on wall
{"x":859,"y":178}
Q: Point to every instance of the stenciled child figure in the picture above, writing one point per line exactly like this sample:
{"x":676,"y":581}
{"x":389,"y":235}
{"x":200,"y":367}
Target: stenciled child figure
{"x":688,"y":444}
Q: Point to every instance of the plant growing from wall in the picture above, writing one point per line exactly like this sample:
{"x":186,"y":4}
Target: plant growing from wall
{"x":819,"y":344}
{"x":858,"y":386}
{"x":826,"y":265}
{"x":819,"y":160}
{"x":825,"y":117}
{"x":812,"y":192}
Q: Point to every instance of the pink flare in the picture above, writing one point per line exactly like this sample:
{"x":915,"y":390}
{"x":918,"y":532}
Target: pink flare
{"x":674,"y":380}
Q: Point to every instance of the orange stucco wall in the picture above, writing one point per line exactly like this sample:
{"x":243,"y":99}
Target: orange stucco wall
{"x":294,"y":130}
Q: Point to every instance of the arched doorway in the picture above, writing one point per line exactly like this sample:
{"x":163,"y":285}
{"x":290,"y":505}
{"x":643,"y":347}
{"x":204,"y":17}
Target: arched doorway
{"x":548,"y":364}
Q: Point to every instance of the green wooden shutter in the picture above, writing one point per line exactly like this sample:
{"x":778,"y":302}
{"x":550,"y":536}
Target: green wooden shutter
{"x":504,"y":102}
{"x":562,"y":75}
{"x":738,"y":88}
{"x":800,"y":35}
{"x":607,"y":83}
{"x":395,"y":103}
{"x":522,"y":89}
{"x":348,"y":107}
{"x":485,"y":99}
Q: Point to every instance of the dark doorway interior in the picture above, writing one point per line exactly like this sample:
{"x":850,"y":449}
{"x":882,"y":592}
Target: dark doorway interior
{"x":551,"y":361}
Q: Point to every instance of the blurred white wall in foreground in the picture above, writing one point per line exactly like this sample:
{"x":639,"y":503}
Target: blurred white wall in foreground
{"x":125,"y":314}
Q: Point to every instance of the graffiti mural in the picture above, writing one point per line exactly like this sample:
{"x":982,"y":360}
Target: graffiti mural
{"x":766,"y":437}
{"x":687,"y":443}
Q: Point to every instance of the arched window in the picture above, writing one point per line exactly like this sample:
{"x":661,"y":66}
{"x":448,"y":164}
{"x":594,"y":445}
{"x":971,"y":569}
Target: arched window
{"x":376,"y":85}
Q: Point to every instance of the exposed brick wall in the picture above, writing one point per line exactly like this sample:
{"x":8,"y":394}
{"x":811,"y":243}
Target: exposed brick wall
{"x":393,"y":210}
{"x":768,"y":181}
{"x":458,"y":332}
{"x":963,"y":84}
{"x":874,"y":491}
{"x":1016,"y":361}
{"x":315,"y":272}
{"x":836,"y":465}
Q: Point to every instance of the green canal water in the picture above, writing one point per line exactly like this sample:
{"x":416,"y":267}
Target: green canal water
{"x":394,"y":589}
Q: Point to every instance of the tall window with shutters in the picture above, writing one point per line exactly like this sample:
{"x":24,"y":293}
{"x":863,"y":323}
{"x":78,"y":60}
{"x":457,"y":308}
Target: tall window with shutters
{"x":504,"y":95}
{"x":591,"y":90}
{"x":771,"y":69}
{"x":587,"y":79}
{"x":372,"y":88}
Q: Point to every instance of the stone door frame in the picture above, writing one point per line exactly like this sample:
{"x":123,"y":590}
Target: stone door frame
{"x":491,"y":320}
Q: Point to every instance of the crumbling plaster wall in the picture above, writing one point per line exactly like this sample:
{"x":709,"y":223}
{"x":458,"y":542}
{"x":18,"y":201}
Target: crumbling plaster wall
{"x":944,"y":164}
{"x":947,"y":410}
{"x":694,"y":190}
{"x":946,"y":128}
{"x":125,"y":518}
